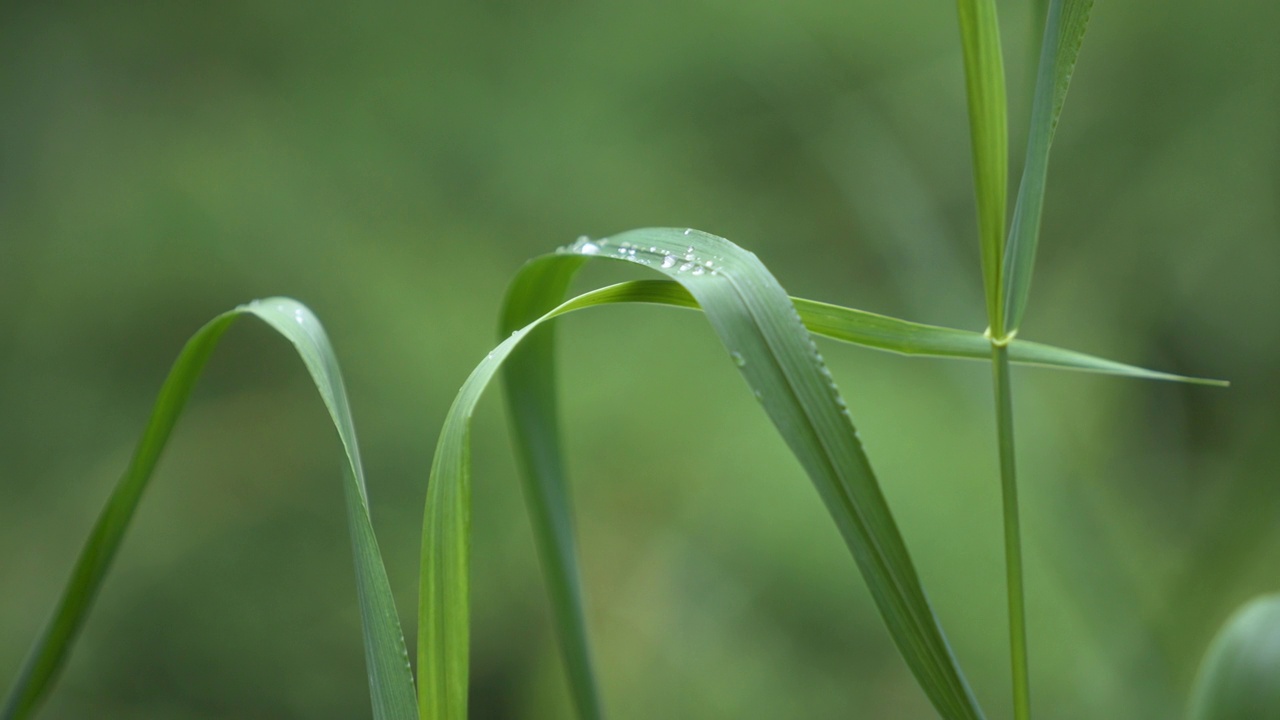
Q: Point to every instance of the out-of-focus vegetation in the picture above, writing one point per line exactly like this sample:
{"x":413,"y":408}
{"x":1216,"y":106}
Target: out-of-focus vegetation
{"x":159,"y":163}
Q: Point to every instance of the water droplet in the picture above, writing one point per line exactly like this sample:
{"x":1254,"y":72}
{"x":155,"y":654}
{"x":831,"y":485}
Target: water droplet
{"x":707,"y":263}
{"x":738,"y":359}
{"x":688,"y":230}
{"x":669,"y":261}
{"x":622,"y":251}
{"x":686,"y":267}
{"x":759,"y":396}
{"x":698,"y":270}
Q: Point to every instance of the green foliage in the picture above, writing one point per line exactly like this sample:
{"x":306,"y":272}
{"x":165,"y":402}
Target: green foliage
{"x":390,"y":680}
{"x":768,"y":336}
{"x":764,"y":337}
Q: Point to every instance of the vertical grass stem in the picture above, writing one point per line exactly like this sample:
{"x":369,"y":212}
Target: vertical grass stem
{"x":1012,"y":532}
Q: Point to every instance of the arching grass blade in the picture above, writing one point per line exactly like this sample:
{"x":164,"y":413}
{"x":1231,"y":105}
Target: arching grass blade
{"x":758,"y":324}
{"x":390,"y":679}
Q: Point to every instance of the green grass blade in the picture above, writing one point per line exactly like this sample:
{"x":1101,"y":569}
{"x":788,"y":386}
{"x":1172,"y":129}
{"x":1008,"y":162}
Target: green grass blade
{"x":443,"y":606}
{"x":1025,"y":352}
{"x":531,"y":403}
{"x":390,"y":679}
{"x":758,"y":324}
{"x":387,"y":660}
{"x":1063,"y":35}
{"x":989,"y":135}
{"x":882,"y":332}
{"x":444,"y":591}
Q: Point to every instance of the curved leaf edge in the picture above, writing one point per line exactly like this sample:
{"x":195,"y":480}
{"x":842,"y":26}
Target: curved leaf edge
{"x":390,"y":678}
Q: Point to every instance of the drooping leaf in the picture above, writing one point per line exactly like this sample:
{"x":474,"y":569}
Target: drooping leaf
{"x":390,"y":678}
{"x":989,"y":135}
{"x":758,"y":324}
{"x":1063,"y":35}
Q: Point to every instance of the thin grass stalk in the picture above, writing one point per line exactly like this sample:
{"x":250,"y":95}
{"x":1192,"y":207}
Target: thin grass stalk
{"x":1012,"y":533}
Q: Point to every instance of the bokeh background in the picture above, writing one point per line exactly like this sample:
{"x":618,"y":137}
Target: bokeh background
{"x":393,"y":164}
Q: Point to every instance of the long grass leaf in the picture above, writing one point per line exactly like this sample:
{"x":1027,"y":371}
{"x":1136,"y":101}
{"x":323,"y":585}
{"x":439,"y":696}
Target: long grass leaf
{"x":758,"y":324}
{"x":390,"y":678}
{"x":1063,"y":35}
{"x":989,"y":135}
{"x":531,"y":404}
{"x":882,"y":332}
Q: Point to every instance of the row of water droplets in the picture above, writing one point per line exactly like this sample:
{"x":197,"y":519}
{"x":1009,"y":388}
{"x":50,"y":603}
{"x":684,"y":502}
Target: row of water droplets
{"x":828,"y":378}
{"x":689,"y":261}
{"x":824,"y":370}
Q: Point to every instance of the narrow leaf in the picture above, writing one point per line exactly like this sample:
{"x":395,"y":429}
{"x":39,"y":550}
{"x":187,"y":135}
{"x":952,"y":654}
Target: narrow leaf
{"x":531,"y":404}
{"x":1063,"y":35}
{"x":989,"y":135}
{"x":758,"y":325}
{"x":390,"y":679}
{"x":882,"y":332}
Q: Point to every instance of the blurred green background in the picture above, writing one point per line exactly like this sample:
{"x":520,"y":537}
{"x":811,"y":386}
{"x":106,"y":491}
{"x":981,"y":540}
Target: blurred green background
{"x":392,"y":165}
